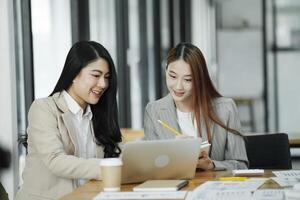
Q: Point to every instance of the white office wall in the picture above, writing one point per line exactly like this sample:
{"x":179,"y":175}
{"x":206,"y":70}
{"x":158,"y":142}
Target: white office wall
{"x":51,"y":35}
{"x":237,"y":13}
{"x":8,"y":120}
{"x":103,"y":25}
{"x":240,"y":61}
{"x":240,"y":54}
{"x":203,"y":32}
{"x":288,"y":91}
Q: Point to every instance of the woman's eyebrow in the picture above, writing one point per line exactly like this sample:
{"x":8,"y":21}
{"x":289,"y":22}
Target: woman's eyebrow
{"x":188,"y":75}
{"x":171,"y":71}
{"x":97,"y":70}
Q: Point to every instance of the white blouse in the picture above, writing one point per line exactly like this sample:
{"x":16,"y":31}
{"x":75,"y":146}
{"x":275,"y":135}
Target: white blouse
{"x":84,"y":131}
{"x":187,"y":123}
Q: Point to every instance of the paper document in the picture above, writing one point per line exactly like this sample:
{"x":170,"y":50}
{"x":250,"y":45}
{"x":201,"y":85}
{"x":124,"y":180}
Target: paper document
{"x":231,"y":185}
{"x":140,"y":195}
{"x":286,"y":182}
{"x":231,"y":190}
{"x":268,"y":194}
{"x":287,"y":173}
{"x":221,"y":195}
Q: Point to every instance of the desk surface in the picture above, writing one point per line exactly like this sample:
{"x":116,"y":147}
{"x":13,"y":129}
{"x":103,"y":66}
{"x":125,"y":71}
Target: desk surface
{"x":92,"y":188}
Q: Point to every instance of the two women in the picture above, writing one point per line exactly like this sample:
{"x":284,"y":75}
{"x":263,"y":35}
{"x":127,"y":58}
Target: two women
{"x":196,"y":109}
{"x":75,"y":126}
{"x":69,"y":131}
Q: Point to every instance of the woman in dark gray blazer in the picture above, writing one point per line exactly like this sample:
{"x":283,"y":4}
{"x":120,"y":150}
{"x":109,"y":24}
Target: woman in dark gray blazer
{"x":196,"y":109}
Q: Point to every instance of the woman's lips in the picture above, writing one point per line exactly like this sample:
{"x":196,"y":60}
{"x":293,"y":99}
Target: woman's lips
{"x":179,"y":94}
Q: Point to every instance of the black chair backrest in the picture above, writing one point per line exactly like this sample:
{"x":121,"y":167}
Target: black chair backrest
{"x":268,"y":151}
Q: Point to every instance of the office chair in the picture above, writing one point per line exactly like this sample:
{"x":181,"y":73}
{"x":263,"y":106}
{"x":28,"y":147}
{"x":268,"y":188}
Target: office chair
{"x":268,"y":151}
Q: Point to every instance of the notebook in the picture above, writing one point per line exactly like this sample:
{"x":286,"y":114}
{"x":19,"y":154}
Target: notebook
{"x":205,"y":146}
{"x":160,"y":185}
{"x":160,"y":159}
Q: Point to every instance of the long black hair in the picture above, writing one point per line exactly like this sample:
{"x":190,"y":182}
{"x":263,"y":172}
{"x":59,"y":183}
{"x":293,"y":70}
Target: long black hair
{"x":105,"y":112}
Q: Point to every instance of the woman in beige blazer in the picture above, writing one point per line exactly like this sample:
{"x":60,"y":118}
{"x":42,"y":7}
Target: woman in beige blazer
{"x":196,"y":109}
{"x":69,"y":131}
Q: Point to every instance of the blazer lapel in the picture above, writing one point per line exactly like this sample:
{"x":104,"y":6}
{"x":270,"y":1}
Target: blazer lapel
{"x":67,"y":119}
{"x":168,"y":114}
{"x":99,"y":149}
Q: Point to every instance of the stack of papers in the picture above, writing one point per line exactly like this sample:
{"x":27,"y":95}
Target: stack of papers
{"x":286,"y":182}
{"x":287,"y":173}
{"x":286,"y":178}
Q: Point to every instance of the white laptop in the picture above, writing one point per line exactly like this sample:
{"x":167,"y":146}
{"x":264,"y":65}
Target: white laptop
{"x":160,"y":159}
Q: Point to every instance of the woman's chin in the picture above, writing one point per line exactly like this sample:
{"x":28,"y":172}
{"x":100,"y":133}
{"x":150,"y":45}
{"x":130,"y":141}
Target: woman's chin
{"x":177,"y":98}
{"x":94,"y":101}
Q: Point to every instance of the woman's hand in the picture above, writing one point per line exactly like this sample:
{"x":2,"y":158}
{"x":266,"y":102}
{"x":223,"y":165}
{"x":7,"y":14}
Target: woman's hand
{"x":205,"y":162}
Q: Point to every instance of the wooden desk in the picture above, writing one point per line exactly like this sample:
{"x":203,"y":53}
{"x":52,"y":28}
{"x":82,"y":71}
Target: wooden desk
{"x":294,"y":142}
{"x":131,"y":134}
{"x":92,"y":188}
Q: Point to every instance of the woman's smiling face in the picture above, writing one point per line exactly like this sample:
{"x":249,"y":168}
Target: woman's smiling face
{"x":179,"y":81}
{"x":90,"y":84}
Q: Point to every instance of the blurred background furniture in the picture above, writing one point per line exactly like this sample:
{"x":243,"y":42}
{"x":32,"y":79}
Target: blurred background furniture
{"x":268,"y":151}
{"x":129,"y":134}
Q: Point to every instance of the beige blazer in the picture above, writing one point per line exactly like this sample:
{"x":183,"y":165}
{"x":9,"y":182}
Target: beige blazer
{"x":227,"y":150}
{"x":52,"y":162}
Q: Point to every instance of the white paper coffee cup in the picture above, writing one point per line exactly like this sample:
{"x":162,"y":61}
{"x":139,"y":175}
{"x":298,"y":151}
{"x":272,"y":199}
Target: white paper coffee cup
{"x":111,"y":169}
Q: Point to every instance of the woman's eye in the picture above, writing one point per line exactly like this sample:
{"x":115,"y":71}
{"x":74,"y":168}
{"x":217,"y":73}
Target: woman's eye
{"x":96,"y":75}
{"x":172,"y":76}
{"x":188,"y":80}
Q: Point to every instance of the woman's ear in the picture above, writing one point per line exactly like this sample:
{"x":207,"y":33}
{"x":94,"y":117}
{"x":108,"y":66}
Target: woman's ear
{"x":76,"y":78}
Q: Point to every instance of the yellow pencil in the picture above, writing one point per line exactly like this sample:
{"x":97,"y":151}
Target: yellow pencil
{"x":168,"y":127}
{"x":235,"y":178}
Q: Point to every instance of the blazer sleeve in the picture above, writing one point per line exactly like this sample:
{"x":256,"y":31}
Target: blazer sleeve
{"x":149,"y":126}
{"x":235,"y":156}
{"x":45,"y":138}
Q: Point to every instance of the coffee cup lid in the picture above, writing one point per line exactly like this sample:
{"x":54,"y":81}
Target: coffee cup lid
{"x":111,"y":162}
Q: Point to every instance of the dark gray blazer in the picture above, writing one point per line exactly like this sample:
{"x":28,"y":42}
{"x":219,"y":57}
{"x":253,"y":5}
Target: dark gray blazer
{"x":227,"y":150}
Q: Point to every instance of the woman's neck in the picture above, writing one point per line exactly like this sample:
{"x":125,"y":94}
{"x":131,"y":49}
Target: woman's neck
{"x":184,"y":106}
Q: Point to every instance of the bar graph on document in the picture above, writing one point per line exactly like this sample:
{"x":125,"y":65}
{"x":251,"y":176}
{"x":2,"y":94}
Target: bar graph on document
{"x":225,"y":190}
{"x":268,"y":194}
{"x":220,"y":195}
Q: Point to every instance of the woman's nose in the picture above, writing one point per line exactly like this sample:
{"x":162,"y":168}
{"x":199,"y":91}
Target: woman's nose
{"x":179,"y":84}
{"x":102,"y":82}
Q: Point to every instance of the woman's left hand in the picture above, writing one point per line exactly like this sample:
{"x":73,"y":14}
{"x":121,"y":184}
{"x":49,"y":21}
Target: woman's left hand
{"x":205,"y":162}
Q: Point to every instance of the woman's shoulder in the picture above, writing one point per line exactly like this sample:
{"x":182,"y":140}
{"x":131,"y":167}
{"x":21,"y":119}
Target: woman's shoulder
{"x":224,"y":103}
{"x":160,"y":103}
{"x":45,"y":102}
{"x":223,"y":100}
